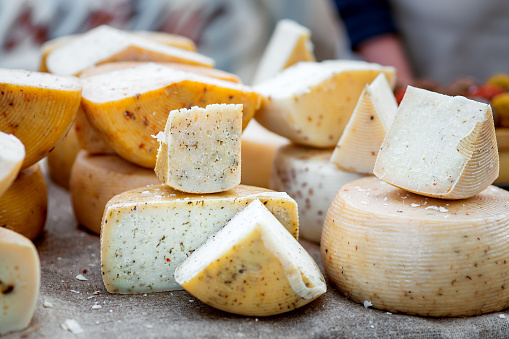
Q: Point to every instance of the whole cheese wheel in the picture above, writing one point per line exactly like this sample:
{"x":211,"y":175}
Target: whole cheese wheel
{"x":61,"y":158}
{"x":408,"y":253}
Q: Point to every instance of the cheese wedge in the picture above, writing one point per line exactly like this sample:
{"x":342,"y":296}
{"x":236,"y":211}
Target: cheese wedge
{"x":439,"y":146}
{"x":252,"y":266}
{"x":147,"y":232}
{"x":199,"y":150}
{"x":95,"y":179}
{"x":307,"y":176}
{"x":105,"y":44}
{"x":12,"y":153}
{"x":61,"y":159}
{"x":20,"y":275}
{"x":408,"y":253}
{"x":24,"y":206}
{"x":290,"y":43}
{"x":310,"y":103}
{"x":130,"y":106}
{"x":360,"y":142}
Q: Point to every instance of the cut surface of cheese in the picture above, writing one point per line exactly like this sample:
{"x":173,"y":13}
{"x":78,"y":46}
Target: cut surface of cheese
{"x":61,"y":158}
{"x":360,"y":142}
{"x":408,"y":253}
{"x":20,"y":276}
{"x":147,"y":232}
{"x":290,"y":43}
{"x":459,"y":157}
{"x":95,"y":179}
{"x":310,"y":103}
{"x":12,"y":153}
{"x":38,"y":108}
{"x":107,"y":44}
{"x":129,"y":106}
{"x":307,"y":175}
{"x":200,"y":152}
{"x":252,"y":266}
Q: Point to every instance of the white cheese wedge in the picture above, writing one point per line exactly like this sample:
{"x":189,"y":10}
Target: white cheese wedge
{"x":252,"y":266}
{"x":439,"y":146}
{"x":360,"y":142}
{"x":289,"y":44}
{"x":200,"y":152}
{"x":310,"y":103}
{"x":307,"y":175}
{"x":20,"y":276}
{"x":12,"y":154}
{"x":147,"y":232}
{"x":408,"y":253}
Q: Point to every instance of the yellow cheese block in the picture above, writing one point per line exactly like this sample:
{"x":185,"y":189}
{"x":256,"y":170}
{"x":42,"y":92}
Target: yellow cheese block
{"x":61,"y":159}
{"x":12,"y":153}
{"x":95,"y":179}
{"x":408,"y":253}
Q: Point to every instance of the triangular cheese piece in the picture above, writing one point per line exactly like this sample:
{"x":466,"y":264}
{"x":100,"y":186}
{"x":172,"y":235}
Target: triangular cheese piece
{"x":12,"y":153}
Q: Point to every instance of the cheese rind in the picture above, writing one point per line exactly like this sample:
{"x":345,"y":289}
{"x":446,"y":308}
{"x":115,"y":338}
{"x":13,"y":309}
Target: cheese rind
{"x":90,"y":138}
{"x":12,"y":153}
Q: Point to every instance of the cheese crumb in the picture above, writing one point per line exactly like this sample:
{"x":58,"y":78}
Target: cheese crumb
{"x":160,"y":137}
{"x":501,"y":316}
{"x":72,"y":326}
{"x":367,"y":303}
{"x":47,"y":304}
{"x":436,"y":208}
{"x":81,"y":277}
{"x":415,"y":205}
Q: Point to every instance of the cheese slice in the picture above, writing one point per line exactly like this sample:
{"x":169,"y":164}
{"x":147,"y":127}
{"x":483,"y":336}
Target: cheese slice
{"x":105,"y":44}
{"x":439,"y":146}
{"x":290,"y":43}
{"x":61,"y":158}
{"x":310,"y":103}
{"x":408,"y":253}
{"x":307,"y":176}
{"x":20,"y":276}
{"x":360,"y":142}
{"x":12,"y":153}
{"x":147,"y":232}
{"x":95,"y":179}
{"x":252,"y":266}
{"x":130,"y":106}
{"x":200,"y":150}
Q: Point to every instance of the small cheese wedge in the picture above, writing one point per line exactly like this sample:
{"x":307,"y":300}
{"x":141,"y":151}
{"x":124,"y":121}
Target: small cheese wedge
{"x":408,"y":253}
{"x":130,"y":106}
{"x":90,"y":138}
{"x":360,"y":142}
{"x":105,"y":44}
{"x":310,"y":103}
{"x":95,"y":179}
{"x":307,"y":176}
{"x":20,"y":276}
{"x":61,"y":158}
{"x":439,"y":146}
{"x":253,"y":267}
{"x":147,"y":232}
{"x":24,"y":206}
{"x":37,"y":108}
{"x":12,"y":153}
{"x":290,"y":43}
{"x":200,"y":149}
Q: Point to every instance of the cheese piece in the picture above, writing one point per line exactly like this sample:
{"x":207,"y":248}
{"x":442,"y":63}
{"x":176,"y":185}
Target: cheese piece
{"x":147,"y":232}
{"x":24,"y":206}
{"x":252,"y":266}
{"x":20,"y":275}
{"x":12,"y":153}
{"x":503,"y":178}
{"x":89,"y":138}
{"x":307,"y":176}
{"x":258,"y":150}
{"x":200,"y":152}
{"x":408,"y":253}
{"x":95,"y":179}
{"x":61,"y":158}
{"x":130,"y":106}
{"x":105,"y":44}
{"x":360,"y":142}
{"x":459,"y":157}
{"x":310,"y":103}
{"x":289,"y":44}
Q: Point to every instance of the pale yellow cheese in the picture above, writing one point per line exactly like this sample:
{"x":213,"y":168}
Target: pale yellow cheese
{"x":61,"y":158}
{"x":90,"y":138}
{"x":12,"y":153}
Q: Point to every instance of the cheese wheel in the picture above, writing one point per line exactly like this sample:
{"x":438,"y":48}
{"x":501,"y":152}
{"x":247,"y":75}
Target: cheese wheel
{"x":24,"y":206}
{"x":61,"y":159}
{"x":310,"y":103}
{"x":12,"y":153}
{"x":37,"y":108}
{"x":130,"y":106}
{"x":95,"y":179}
{"x":20,"y":275}
{"x":408,"y":253}
{"x":307,"y":176}
{"x":360,"y":142}
{"x":90,"y":138}
{"x":147,"y":232}
{"x":459,"y":157}
{"x":252,"y":266}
